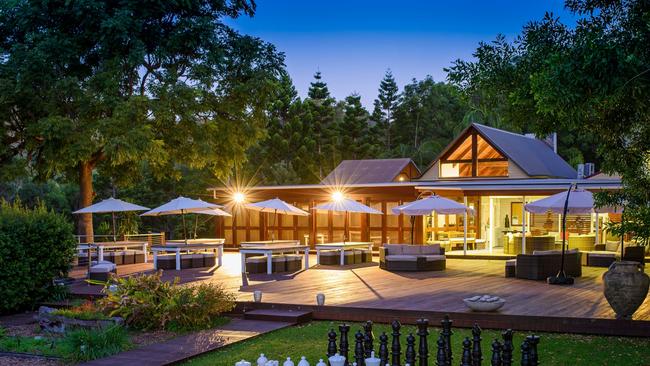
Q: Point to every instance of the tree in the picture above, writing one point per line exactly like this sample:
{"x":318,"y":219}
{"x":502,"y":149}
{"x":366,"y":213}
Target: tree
{"x":354,"y":131}
{"x":320,"y":114}
{"x":385,"y":105}
{"x":104,"y":86}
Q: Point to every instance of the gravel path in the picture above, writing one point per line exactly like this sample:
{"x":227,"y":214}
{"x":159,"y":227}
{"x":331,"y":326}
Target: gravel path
{"x":27,"y":361}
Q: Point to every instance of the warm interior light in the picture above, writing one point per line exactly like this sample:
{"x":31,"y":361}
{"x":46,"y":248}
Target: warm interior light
{"x":337,"y":196}
{"x":238,"y":197}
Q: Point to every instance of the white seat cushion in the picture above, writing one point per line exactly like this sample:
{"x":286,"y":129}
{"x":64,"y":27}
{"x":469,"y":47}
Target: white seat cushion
{"x":612,"y":246}
{"x":434,"y":257}
{"x":402,"y":257}
{"x":102,"y":268}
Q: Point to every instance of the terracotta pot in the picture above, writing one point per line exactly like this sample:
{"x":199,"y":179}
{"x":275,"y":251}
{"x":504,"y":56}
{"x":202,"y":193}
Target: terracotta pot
{"x":626,"y":287}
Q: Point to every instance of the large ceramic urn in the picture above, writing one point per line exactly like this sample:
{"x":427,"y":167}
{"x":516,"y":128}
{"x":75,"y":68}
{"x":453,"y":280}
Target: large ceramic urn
{"x":626,"y":286}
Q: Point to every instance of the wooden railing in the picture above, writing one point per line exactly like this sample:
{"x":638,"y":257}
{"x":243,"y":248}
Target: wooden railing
{"x":150,"y":238}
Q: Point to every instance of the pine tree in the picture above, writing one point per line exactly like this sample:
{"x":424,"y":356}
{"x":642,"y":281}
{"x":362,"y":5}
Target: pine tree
{"x":385,"y":105}
{"x":320,"y":114}
{"x":355,"y":140}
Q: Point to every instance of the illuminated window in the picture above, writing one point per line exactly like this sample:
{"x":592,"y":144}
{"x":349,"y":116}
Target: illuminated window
{"x":473,"y":156}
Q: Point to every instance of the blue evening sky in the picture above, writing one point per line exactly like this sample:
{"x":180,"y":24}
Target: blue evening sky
{"x":353,"y":42}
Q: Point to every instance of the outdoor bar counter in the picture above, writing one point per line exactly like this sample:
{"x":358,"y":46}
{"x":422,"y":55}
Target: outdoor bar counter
{"x":177,"y":246}
{"x":269,"y":248}
{"x":342,"y":247}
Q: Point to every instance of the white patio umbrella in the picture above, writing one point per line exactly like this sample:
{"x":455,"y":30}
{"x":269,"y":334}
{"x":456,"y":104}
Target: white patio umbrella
{"x":425,"y":206}
{"x":276,"y":206}
{"x":573,"y":201}
{"x":182,"y":205}
{"x":346,"y":205}
{"x":111,"y":205}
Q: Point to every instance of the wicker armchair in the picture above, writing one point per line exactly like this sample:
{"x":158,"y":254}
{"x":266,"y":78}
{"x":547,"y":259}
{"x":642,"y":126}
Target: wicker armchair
{"x":542,"y":266}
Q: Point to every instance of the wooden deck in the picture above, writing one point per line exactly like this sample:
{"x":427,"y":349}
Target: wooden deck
{"x":368,"y":287}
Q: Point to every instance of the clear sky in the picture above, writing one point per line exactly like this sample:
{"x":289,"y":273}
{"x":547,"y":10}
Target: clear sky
{"x":353,"y":42}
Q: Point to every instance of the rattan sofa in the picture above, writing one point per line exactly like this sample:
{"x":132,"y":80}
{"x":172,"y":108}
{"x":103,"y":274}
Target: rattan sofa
{"x":542,"y":264}
{"x":404,"y":257}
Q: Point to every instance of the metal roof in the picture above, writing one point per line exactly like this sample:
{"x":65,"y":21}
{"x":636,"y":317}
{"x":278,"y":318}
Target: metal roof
{"x":533,"y":156}
{"x":366,"y":171}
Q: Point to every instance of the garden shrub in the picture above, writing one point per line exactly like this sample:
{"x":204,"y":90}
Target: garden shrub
{"x":86,"y":311}
{"x":36,"y":246}
{"x":90,"y":344}
{"x":146,"y":302}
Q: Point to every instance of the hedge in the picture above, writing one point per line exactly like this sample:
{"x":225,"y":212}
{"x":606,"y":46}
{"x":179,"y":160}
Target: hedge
{"x":36,"y":246}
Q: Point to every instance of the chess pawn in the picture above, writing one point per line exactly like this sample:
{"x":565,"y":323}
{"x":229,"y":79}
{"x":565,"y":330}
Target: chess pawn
{"x":262,"y":360}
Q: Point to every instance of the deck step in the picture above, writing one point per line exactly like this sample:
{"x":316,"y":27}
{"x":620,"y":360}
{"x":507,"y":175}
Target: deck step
{"x":278,"y":315}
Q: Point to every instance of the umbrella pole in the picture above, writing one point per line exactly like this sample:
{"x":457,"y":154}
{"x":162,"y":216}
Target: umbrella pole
{"x":412,"y":223}
{"x":561,"y":278}
{"x":114,"y":225}
{"x":345,"y":227}
{"x":184,"y":228}
{"x":196,"y":225}
{"x":277,"y":225}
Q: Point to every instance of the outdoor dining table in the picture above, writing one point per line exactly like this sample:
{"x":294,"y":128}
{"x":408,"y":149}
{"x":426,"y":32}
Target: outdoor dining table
{"x":269,"y":249}
{"x":268,"y":242}
{"x":341,"y":247}
{"x":177,"y":246}
{"x":124,"y":244}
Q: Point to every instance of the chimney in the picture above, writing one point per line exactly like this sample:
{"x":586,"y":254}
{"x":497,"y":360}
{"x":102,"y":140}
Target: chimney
{"x":581,"y":171}
{"x":590,"y":169}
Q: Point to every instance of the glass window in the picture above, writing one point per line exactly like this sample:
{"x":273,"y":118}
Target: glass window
{"x":375,"y":237}
{"x":338,"y":219}
{"x":286,"y":220}
{"x":322,"y":218}
{"x":454,"y":170}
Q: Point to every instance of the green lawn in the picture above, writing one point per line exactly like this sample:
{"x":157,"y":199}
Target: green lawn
{"x":310,"y":340}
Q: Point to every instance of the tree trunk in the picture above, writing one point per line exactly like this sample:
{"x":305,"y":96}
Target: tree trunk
{"x":85,"y":223}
